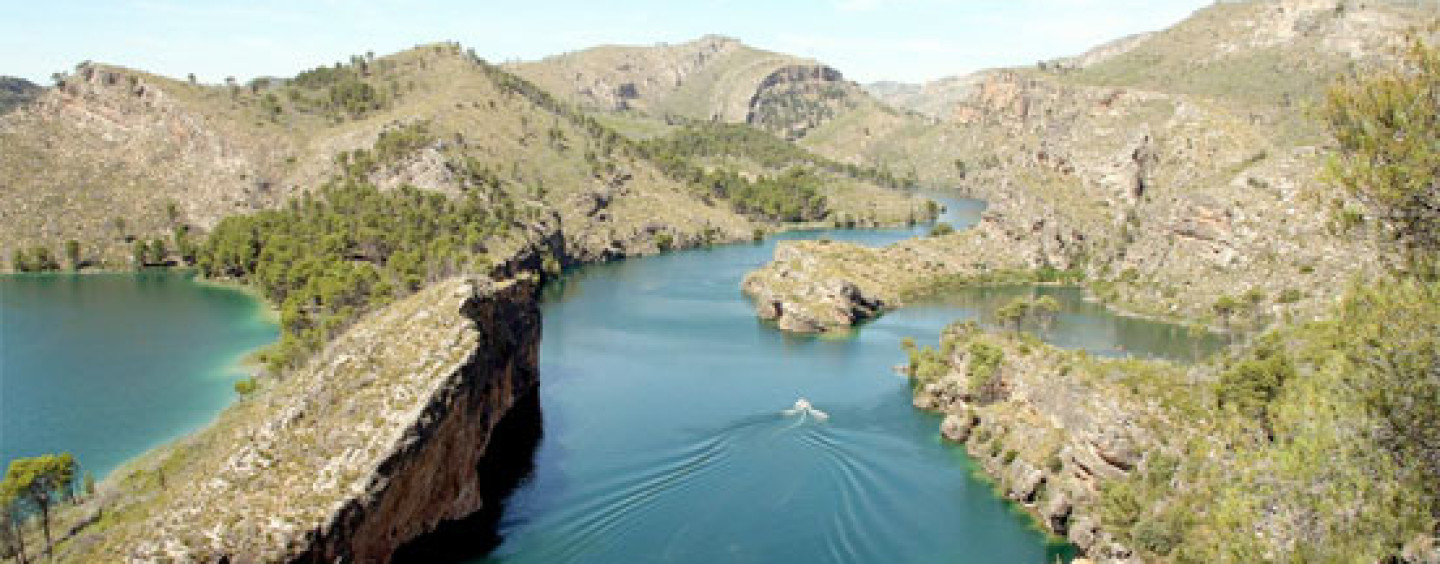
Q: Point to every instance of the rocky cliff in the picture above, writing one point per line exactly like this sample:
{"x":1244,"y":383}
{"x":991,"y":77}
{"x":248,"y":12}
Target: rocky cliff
{"x":373,"y":443}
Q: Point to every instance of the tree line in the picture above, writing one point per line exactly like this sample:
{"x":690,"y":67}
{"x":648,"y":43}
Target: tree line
{"x":327,"y":257}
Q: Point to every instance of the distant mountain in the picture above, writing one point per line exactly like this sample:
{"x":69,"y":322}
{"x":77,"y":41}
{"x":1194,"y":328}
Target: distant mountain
{"x":15,"y":92}
{"x":721,"y":79}
{"x":932,"y":98}
{"x":711,"y":78}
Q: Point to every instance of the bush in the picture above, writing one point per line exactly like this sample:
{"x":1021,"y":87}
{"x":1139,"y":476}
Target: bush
{"x":1120,"y":507}
{"x":941,"y":229}
{"x":1251,"y":385}
{"x":1158,"y":535}
{"x":246,"y":387}
{"x":34,"y":259}
{"x":1385,"y":124}
{"x":984,"y":367}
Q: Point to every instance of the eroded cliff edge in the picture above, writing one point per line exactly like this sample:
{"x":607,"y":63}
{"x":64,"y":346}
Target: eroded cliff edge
{"x":372,"y":444}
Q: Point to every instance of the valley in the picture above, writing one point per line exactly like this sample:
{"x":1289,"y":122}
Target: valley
{"x":1169,"y":300}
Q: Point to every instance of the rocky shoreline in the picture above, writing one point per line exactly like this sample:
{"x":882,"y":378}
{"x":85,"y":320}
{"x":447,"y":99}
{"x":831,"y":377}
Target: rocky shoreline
{"x":825,"y":286}
{"x":1051,"y":427}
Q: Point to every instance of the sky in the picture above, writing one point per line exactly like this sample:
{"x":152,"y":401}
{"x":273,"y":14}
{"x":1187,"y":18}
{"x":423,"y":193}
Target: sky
{"x":867,"y":40}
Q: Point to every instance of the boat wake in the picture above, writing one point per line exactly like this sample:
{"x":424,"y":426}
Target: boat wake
{"x":698,"y":501}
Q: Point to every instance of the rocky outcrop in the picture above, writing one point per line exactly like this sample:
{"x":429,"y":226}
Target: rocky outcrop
{"x":372,"y":444}
{"x":1060,"y":427}
{"x":798,"y":98}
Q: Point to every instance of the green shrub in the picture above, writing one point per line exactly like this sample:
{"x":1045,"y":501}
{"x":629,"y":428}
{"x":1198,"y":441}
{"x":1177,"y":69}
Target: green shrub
{"x":984,"y":367}
{"x":1251,"y":385}
{"x":246,"y":387}
{"x":1158,"y":534}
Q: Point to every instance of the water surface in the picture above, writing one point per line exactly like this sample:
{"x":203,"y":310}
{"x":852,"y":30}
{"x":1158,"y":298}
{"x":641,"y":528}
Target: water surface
{"x":107,"y":366}
{"x":663,"y":439}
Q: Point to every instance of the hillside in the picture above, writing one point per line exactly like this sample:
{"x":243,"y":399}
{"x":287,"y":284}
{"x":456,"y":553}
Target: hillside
{"x":933,"y":99}
{"x":1171,"y":195}
{"x":113,"y":154}
{"x":711,"y":78}
{"x":102,"y":158}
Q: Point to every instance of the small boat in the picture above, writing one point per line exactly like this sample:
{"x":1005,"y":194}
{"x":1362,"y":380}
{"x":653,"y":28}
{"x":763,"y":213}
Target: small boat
{"x":803,"y":408}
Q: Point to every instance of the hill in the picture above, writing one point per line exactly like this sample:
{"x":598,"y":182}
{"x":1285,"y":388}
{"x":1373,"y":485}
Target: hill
{"x":1173,"y":194}
{"x":712,"y":78}
{"x":113,"y":155}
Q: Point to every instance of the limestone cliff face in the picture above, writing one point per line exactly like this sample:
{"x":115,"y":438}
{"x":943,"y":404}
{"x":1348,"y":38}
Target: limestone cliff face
{"x":373,"y":443}
{"x":431,"y":475}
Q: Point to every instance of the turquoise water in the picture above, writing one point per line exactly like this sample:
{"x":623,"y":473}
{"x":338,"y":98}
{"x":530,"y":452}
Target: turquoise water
{"x":107,"y":366}
{"x":663,"y":438}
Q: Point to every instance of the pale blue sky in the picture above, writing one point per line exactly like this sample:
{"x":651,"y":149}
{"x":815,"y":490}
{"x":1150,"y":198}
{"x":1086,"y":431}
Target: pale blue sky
{"x":910,"y":40}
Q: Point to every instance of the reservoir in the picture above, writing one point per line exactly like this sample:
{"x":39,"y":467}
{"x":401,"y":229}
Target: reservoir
{"x":107,"y":366}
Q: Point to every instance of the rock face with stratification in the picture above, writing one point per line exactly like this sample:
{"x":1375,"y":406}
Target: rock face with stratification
{"x":372,"y":444}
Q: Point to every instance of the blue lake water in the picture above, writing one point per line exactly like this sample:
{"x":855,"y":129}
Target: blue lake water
{"x":107,"y":366}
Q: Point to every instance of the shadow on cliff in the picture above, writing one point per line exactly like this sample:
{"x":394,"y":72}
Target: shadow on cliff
{"x":508,"y":461}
